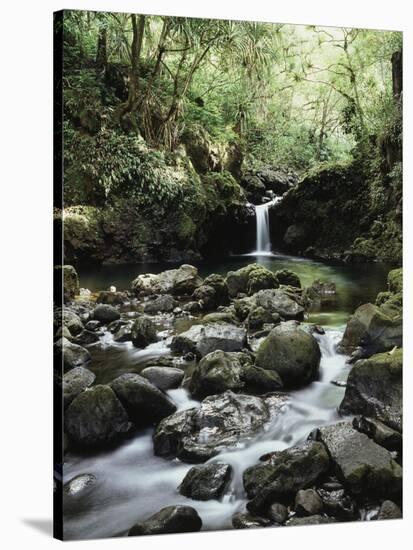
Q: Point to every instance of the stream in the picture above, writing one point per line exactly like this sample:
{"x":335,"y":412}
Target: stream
{"x":132,"y":483}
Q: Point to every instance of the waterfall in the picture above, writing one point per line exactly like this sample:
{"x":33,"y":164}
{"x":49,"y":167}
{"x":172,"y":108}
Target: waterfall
{"x":263,"y":240}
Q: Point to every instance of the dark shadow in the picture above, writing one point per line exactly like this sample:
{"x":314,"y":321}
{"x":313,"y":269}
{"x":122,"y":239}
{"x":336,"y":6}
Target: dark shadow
{"x":44,"y":526}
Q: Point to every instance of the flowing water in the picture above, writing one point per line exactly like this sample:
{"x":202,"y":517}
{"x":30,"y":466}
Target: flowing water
{"x":132,"y":483}
{"x":263,"y":241}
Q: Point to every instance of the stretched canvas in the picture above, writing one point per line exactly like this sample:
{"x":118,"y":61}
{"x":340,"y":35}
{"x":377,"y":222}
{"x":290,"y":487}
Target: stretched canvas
{"x":228,"y":275}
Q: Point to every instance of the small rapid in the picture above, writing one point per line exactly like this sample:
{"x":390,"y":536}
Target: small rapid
{"x":132,"y":483}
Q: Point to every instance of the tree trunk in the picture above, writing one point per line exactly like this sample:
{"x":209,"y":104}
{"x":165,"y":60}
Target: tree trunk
{"x":397,"y":73}
{"x":101,"y":55}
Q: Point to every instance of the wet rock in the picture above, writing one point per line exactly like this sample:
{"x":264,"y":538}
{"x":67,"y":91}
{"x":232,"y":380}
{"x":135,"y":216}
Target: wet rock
{"x":171,"y":519}
{"x":337,"y":503}
{"x":258,"y":317}
{"x":164,"y":378}
{"x":292,"y":353}
{"x":78,"y":484}
{"x":124,"y":333}
{"x":242,"y":520}
{"x":143,"y":332}
{"x":380,"y":433}
{"x":374,"y":389}
{"x":278,"y":301}
{"x":283,"y":474}
{"x":92,"y":325}
{"x":370,"y":328}
{"x":192,"y":307}
{"x":243,"y":306}
{"x":222,"y":421}
{"x":71,"y":354}
{"x":288,"y":277}
{"x":86,"y":337}
{"x":212,"y":293}
{"x":181,"y":281}
{"x":203,"y":339}
{"x":144,"y":402}
{"x":259,"y":380}
{"x":250,"y":279}
{"x":160,"y":304}
{"x":88,"y":429}
{"x":205,"y":482}
{"x":389,"y":510}
{"x":74,"y":382}
{"x":105,"y":313}
{"x":277,"y":513}
{"x":112,"y":298}
{"x":308,"y":503}
{"x":69,"y":319}
{"x":362,"y":465}
{"x":310,"y":520}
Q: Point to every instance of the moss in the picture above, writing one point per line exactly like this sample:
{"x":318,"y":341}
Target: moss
{"x":395,"y":280}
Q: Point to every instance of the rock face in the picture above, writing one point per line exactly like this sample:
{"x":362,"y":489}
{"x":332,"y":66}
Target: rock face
{"x":86,"y":428}
{"x":374,"y":389}
{"x":203,"y":339}
{"x":250,"y":279}
{"x":292,"y":353}
{"x":171,"y":519}
{"x":143,"y":332}
{"x":205,"y":482}
{"x":279,"y":302}
{"x":69,"y":280}
{"x":181,"y":281}
{"x":71,"y":354}
{"x":164,"y":378}
{"x":143,"y":401}
{"x":220,"y":371}
{"x":372,"y":329}
{"x":105,"y":313}
{"x":195,"y":435}
{"x":74,"y":382}
{"x":362,"y":465}
{"x":283,"y":474}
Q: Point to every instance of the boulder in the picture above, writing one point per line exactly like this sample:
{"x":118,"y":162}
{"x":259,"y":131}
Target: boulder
{"x":171,"y":519}
{"x":105,"y":313}
{"x":374,"y":389}
{"x":203,"y":339}
{"x":79,"y":484}
{"x":85,"y":338}
{"x":337,"y":503}
{"x":69,"y":319}
{"x":88,"y":429}
{"x":250,"y":279}
{"x":69,"y":281}
{"x":124,"y":333}
{"x":143,"y":332}
{"x":309,"y":520}
{"x":372,"y":329}
{"x":292,"y":353}
{"x":280,"y":302}
{"x":277,"y":513}
{"x":112,"y":298}
{"x":395,"y":280}
{"x":257,"y":380}
{"x":258,"y":317}
{"x":308,"y":503}
{"x":164,"y":378}
{"x":181,"y":281}
{"x":220,"y":317}
{"x":221,"y":422}
{"x":205,"y":297}
{"x":206,"y":481}
{"x":242,"y":520}
{"x":362,"y":465}
{"x":389,"y":510}
{"x":161,"y":304}
{"x":144,"y":402}
{"x":288,"y":277}
{"x":213,"y":292}
{"x":283,"y":474}
{"x":380,"y":433}
{"x":72,"y":355}
{"x":74,"y":382}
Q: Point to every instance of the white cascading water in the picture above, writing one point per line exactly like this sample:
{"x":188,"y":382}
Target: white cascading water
{"x":263,"y":240}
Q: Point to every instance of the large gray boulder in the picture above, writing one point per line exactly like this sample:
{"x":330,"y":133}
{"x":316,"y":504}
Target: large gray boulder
{"x":250,"y":279}
{"x":364,"y":467}
{"x":96,"y":418}
{"x":278,"y":301}
{"x":220,"y":371}
{"x":171,"y":519}
{"x":181,"y":281}
{"x":105,"y":313}
{"x":144,"y":402}
{"x":74,"y":382}
{"x":283,"y":474}
{"x":372,"y":329}
{"x":203,"y":339}
{"x":72,"y":355}
{"x":374,"y":389}
{"x":143,"y":332}
{"x":69,"y":319}
{"x":292,"y":353}
{"x":222,"y":421}
{"x":164,"y":378}
{"x":206,"y":481}
{"x":161,"y":304}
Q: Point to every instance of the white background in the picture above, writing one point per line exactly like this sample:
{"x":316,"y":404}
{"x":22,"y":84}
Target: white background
{"x":26,"y":260}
